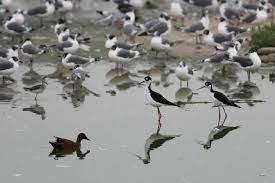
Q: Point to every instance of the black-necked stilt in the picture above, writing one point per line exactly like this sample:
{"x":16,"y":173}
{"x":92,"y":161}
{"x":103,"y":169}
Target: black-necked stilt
{"x":121,"y":56}
{"x":215,"y":39}
{"x":112,"y":40}
{"x":37,"y":89}
{"x":70,"y":61}
{"x":225,"y":28}
{"x":7,"y":53}
{"x":183,"y":72}
{"x":219,"y":99}
{"x":250,"y":62}
{"x":199,"y":27}
{"x":155,"y":99}
{"x":41,"y":11}
{"x":8,"y":67}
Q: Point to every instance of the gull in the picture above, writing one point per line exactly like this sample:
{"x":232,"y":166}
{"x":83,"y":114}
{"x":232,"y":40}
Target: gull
{"x":61,"y":23}
{"x":183,"y":72}
{"x":13,"y":27}
{"x":129,"y":30}
{"x":69,"y":46}
{"x":19,"y":16}
{"x":204,"y":3}
{"x":215,"y":39}
{"x":70,"y":61}
{"x":224,"y":28}
{"x":256,"y":18}
{"x":160,"y":44}
{"x":7,"y":53}
{"x":228,"y":12}
{"x":112,"y":40}
{"x":8,"y":67}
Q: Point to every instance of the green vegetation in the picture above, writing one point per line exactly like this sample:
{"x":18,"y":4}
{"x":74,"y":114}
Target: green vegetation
{"x":265,"y":37}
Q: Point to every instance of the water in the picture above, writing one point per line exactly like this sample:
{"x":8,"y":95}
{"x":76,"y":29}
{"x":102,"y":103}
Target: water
{"x":111,"y":111}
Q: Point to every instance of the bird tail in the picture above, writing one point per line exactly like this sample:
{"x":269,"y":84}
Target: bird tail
{"x":26,"y":89}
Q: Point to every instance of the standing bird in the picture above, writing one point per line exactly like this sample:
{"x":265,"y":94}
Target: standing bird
{"x":14,"y":28}
{"x":129,"y":30}
{"x":183,"y":72}
{"x":41,"y":11}
{"x":7,"y":53}
{"x":160,"y":44}
{"x":69,"y":46}
{"x":219,"y":99}
{"x":8,"y":67}
{"x":37,"y":89}
{"x":155,"y":99}
{"x":215,"y":39}
{"x":63,"y":144}
{"x":111,"y":40}
{"x":224,"y":28}
{"x":256,"y":18}
{"x":70,"y":61}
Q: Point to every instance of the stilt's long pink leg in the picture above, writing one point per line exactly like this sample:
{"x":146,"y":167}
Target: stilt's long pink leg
{"x":224,"y":114}
{"x":159,"y":115}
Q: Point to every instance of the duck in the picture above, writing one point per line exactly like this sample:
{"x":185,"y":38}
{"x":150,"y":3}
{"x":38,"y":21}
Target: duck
{"x":61,"y":143}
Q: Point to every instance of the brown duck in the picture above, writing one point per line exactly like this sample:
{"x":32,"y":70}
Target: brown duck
{"x":63,"y":144}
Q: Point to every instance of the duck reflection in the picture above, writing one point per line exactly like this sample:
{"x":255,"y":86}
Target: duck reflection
{"x":155,"y":141}
{"x":120,"y":78}
{"x":57,"y":153}
{"x":77,"y":93}
{"x":218,"y":132}
{"x":36,"y":109}
{"x":7,"y":93}
{"x":184,"y":95}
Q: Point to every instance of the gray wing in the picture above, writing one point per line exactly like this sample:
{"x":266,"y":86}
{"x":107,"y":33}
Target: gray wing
{"x":126,"y":54}
{"x":124,"y":46}
{"x":250,"y":18}
{"x":37,"y":10}
{"x":250,"y":6}
{"x":3,"y":52}
{"x":190,"y":71}
{"x":231,"y":13}
{"x":202,"y":3}
{"x":150,"y":23}
{"x":219,"y":57}
{"x":78,"y":60}
{"x":219,"y":38}
{"x":160,"y":28}
{"x":195,"y":27}
{"x":16,"y":27}
{"x":63,"y":45}
{"x":243,"y":61}
{"x":235,"y":29}
{"x":4,"y":65}
{"x":30,"y":49}
{"x":129,"y":30}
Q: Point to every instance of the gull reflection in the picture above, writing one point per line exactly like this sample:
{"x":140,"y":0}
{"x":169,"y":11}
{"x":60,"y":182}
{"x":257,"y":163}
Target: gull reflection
{"x":184,"y":95}
{"x":31,"y":77}
{"x":7,"y":93}
{"x":246,"y":91}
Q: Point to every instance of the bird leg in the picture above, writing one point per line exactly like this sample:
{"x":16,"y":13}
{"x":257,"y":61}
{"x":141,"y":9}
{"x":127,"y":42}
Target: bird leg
{"x":35,"y":98}
{"x":187,"y":84}
{"x":219,"y":116}
{"x":225,"y":115}
{"x":197,"y":39}
{"x":159,"y":115}
{"x":3,"y":79}
{"x":180,"y":83}
{"x":248,"y":75}
{"x":41,"y":22}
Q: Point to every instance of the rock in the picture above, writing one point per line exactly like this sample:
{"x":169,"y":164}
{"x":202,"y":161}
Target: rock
{"x":266,"y":51}
{"x":268,"y":58}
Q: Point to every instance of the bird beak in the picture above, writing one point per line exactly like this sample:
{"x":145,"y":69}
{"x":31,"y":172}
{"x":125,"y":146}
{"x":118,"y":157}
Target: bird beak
{"x":88,"y":139}
{"x":140,"y":83}
{"x":201,"y":87}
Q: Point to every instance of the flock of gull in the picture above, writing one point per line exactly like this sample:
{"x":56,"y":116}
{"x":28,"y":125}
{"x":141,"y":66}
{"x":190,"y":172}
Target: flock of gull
{"x":236,"y":18}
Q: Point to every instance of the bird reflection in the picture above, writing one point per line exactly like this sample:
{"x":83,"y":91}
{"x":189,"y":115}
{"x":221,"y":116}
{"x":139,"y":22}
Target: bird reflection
{"x":184,"y":95}
{"x":31,"y":77}
{"x":120,"y":78}
{"x":155,"y":141}
{"x":77,"y":93}
{"x":246,"y":91}
{"x":7,"y":93}
{"x":218,"y":132}
{"x":36,"y":109}
{"x":56,"y":153}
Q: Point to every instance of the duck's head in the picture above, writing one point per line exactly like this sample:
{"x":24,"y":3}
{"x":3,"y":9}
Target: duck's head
{"x":81,"y":137}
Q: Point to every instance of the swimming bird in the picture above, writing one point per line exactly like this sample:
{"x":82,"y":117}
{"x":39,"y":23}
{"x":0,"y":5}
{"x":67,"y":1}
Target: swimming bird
{"x":250,"y":62}
{"x":61,"y":143}
{"x":41,"y":11}
{"x":225,"y":28}
{"x":183,"y":72}
{"x":37,"y":89}
{"x":199,"y":27}
{"x":155,"y":99}
{"x":7,"y":53}
{"x":70,"y":61}
{"x":121,"y":56}
{"x":219,"y":99}
{"x":215,"y":39}
{"x":8,"y":67}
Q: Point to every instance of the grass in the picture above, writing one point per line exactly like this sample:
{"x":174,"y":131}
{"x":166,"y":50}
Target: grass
{"x":265,"y":37}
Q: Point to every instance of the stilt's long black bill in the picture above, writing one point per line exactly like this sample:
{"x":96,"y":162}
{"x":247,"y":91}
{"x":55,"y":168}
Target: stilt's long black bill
{"x":201,"y":88}
{"x":140,"y":83}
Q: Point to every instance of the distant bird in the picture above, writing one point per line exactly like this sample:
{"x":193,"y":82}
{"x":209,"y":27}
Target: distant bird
{"x":176,"y":11}
{"x":41,"y":11}
{"x":155,"y":99}
{"x":19,"y":17}
{"x":215,"y":39}
{"x":61,"y":23}
{"x":183,"y":72}
{"x":13,"y":27}
{"x":199,"y":27}
{"x":219,"y":99}
{"x":64,"y":6}
{"x":30,"y":50}
{"x":204,"y":3}
{"x":160,"y":44}
{"x":111,"y":40}
{"x":79,"y":74}
{"x":69,"y":46}
{"x":121,"y":56}
{"x":37,"y":89}
{"x":61,"y":143}
{"x":250,"y":62}
{"x":217,"y":133}
{"x":229,"y":12}
{"x":256,"y":18}
{"x":224,"y":28}
{"x":8,"y":67}
{"x":70,"y":61}
{"x":129,"y":30}
{"x":7,"y":53}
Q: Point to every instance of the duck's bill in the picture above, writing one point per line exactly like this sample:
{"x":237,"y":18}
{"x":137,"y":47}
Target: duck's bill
{"x":88,"y":139}
{"x":201,"y":88}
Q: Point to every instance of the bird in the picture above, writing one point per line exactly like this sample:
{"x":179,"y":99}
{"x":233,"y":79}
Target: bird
{"x":160,"y":44}
{"x":122,"y":56}
{"x":70,"y":61}
{"x":112,"y":40}
{"x":155,"y":99}
{"x":37,"y":89}
{"x":176,"y":11}
{"x":30,"y":50}
{"x":199,"y":27}
{"x":41,"y":11}
{"x":8,"y":67}
{"x":7,"y":53}
{"x":215,"y":39}
{"x":64,"y":6}
{"x":203,"y":3}
{"x":219,"y":99}
{"x":18,"y":15}
{"x":224,"y":28}
{"x":61,"y":23}
{"x":15,"y":28}
{"x":69,"y":46}
{"x":217,"y":133}
{"x":62,"y":144}
{"x":229,"y":12}
{"x":219,"y":57}
{"x":183,"y":72}
{"x":250,"y":62}
{"x":256,"y":18}
{"x":129,"y":30}
{"x":78,"y":75}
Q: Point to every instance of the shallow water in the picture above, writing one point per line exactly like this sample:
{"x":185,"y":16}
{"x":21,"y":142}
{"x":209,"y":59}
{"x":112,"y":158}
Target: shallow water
{"x":110,"y":109}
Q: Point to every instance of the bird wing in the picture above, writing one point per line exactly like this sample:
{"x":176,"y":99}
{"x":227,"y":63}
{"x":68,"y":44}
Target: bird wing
{"x":250,"y":18}
{"x":160,"y":28}
{"x":195,"y":27}
{"x":3,"y":52}
{"x":160,"y":99}
{"x":30,"y":49}
{"x":243,"y":61}
{"x":126,"y":54}
{"x":63,"y":45}
{"x":220,"y":38}
{"x":222,"y":98}
{"x":78,"y":60}
{"x":16,"y":27}
{"x":4,"y":65}
{"x":124,"y":46}
{"x":37,"y":10}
